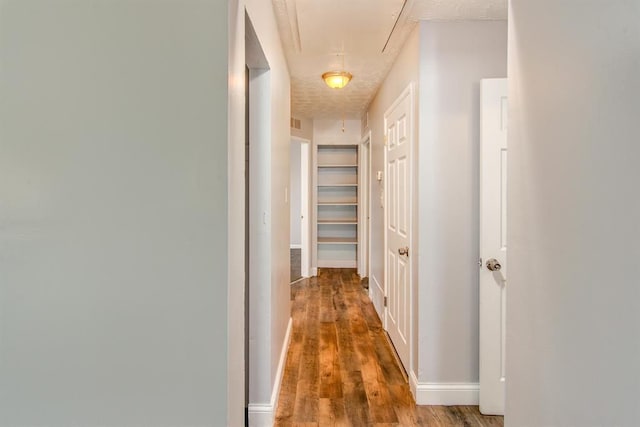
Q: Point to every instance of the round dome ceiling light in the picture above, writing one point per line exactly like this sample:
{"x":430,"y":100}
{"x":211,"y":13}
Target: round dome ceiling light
{"x":336,"y":79}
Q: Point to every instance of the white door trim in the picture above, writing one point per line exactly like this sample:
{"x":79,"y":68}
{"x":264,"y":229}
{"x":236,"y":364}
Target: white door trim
{"x":385,"y":216}
{"x":305,"y":207}
{"x":410,"y":92}
{"x":364,"y":193}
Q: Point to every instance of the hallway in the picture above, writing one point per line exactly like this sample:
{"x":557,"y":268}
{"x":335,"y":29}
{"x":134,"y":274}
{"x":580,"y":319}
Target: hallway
{"x":340,"y":368}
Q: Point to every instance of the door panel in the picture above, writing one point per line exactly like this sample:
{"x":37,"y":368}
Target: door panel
{"x":493,"y":238}
{"x":403,"y":198}
{"x":392,"y":310}
{"x":402,"y":298}
{"x":392,"y":174}
{"x":399,"y":135}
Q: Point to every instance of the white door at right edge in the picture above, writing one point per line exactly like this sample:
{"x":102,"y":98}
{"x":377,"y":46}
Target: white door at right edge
{"x":493,"y":243}
{"x":398,"y":122}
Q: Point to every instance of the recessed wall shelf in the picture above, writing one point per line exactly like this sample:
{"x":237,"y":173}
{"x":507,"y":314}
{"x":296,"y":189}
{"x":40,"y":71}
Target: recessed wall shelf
{"x":336,"y":196}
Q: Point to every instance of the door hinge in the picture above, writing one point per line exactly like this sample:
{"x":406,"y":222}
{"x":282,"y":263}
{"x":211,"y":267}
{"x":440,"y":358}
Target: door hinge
{"x":385,"y":301}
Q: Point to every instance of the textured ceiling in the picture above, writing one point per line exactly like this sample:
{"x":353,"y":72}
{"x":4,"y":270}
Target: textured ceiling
{"x":321,"y":35}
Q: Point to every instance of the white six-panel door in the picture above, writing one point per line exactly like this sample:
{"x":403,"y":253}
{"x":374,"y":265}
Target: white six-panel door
{"x":399,"y":140}
{"x":493,"y":246}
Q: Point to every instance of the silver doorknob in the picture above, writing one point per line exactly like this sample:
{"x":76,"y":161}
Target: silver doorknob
{"x":493,"y":265}
{"x":404,"y":251}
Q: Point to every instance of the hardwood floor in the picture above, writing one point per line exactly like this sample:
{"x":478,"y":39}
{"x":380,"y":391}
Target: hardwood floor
{"x":341,"y":369}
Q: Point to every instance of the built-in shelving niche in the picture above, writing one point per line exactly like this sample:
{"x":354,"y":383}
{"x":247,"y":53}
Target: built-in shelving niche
{"x":337,"y":206}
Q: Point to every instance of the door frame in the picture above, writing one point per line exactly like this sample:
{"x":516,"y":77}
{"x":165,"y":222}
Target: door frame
{"x":305,"y":206}
{"x":259,"y":239}
{"x":410,"y":92}
{"x":364,"y":203}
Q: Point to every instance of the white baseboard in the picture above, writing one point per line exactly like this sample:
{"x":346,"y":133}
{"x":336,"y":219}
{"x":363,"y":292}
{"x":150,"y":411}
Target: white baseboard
{"x":373,"y":280}
{"x":444,"y":393}
{"x":261,"y":415}
{"x":313,"y":272}
{"x":298,"y":280}
{"x":376,"y":294}
{"x":294,"y":246}
{"x":264,"y":414}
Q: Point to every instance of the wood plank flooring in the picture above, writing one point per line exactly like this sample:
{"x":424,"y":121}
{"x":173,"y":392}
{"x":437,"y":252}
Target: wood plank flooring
{"x":341,"y":370}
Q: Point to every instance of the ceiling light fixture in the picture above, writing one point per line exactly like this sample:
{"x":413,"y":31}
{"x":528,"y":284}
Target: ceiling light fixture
{"x":336,"y":79}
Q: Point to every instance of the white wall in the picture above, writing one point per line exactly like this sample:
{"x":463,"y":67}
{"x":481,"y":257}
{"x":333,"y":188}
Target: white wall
{"x":294,"y":193}
{"x":404,"y":71}
{"x":573,"y":337}
{"x":306,"y":129}
{"x":113,"y":221}
{"x":260,"y":254}
{"x":270,"y":293}
{"x":445,"y":61}
{"x":329,"y":131}
{"x":454,"y":56}
{"x":236,"y":215}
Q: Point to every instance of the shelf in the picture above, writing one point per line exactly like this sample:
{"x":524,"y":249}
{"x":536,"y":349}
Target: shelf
{"x":337,"y":203}
{"x":337,"y":240}
{"x":337,"y":177}
{"x":341,"y":214}
{"x":338,"y":221}
{"x":337,"y":156}
{"x":336,"y":196}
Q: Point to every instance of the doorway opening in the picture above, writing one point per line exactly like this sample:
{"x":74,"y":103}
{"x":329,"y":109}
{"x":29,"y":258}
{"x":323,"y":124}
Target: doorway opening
{"x":299,"y":206}
{"x":257,"y":204}
{"x":365,"y":208}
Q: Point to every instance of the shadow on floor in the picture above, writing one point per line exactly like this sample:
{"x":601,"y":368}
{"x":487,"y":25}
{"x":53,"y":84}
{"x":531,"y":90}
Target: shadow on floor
{"x":296,"y":268}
